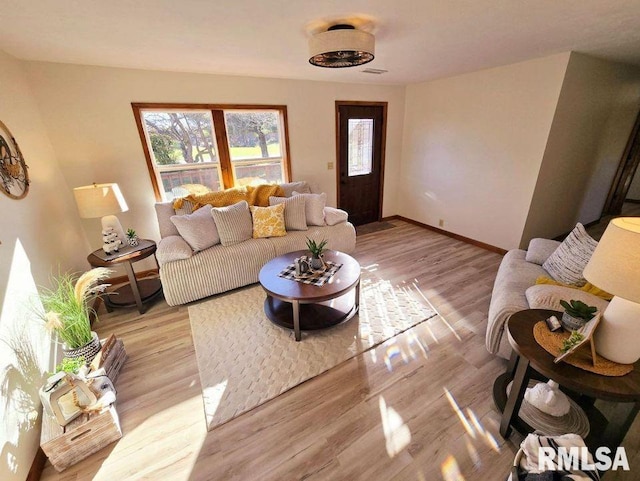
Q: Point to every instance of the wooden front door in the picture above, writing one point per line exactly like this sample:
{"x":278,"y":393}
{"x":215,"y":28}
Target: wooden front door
{"x":361,"y":129}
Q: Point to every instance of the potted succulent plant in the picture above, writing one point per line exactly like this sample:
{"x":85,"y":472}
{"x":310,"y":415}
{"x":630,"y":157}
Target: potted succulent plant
{"x":132,"y":238}
{"x":68,"y":310}
{"x":316,"y":249}
{"x":576,"y":314}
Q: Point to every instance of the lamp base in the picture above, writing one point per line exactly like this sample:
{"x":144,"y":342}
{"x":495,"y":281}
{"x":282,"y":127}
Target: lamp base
{"x":112,"y":222}
{"x":617,"y":337}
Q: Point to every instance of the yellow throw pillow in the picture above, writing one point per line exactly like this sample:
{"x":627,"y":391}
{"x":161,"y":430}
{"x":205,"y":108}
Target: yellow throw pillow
{"x":588,"y":287}
{"x":268,"y":221}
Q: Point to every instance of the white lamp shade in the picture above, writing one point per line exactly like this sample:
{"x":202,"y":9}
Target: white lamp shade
{"x":98,"y":200}
{"x":615,"y":264}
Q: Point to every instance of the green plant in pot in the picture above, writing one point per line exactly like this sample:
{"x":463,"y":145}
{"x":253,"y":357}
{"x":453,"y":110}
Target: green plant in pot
{"x":132,"y":238}
{"x":316,"y":249}
{"x":576,"y":314}
{"x":68,"y":311}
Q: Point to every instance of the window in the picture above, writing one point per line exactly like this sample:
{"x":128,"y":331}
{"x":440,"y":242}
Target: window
{"x":360,"y":147}
{"x":193,"y":149}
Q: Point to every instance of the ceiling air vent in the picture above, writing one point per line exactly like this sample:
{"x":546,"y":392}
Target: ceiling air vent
{"x":375,"y":71}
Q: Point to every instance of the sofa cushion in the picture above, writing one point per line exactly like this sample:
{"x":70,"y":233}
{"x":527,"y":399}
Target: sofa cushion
{"x":588,"y":287}
{"x":172,"y":248}
{"x":295,"y":217}
{"x":333,"y":216}
{"x":268,"y":221}
{"x":198,"y":229}
{"x":291,"y":187}
{"x":233,"y":223}
{"x":570,"y":258}
{"x":314,"y":207}
{"x":164,"y":211}
{"x":341,"y":238}
{"x":545,"y":296}
{"x":540,"y":249}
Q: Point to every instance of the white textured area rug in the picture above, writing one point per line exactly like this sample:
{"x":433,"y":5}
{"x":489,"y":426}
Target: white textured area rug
{"x":244,"y":359}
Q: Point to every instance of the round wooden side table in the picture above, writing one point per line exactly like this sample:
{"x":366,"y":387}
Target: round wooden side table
{"x":530,"y":360}
{"x":137,"y":292}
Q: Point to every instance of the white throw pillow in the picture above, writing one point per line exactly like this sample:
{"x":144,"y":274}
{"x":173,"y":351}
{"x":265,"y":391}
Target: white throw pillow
{"x":233,"y":222}
{"x":301,"y":187}
{"x":295,"y":217}
{"x":314,"y":207}
{"x":546,"y":296}
{"x":198,"y":229}
{"x":571,"y":257}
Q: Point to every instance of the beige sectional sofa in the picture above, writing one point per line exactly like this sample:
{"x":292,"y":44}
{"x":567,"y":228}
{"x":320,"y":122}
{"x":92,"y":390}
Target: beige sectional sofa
{"x":188,"y":276}
{"x":515,"y":290}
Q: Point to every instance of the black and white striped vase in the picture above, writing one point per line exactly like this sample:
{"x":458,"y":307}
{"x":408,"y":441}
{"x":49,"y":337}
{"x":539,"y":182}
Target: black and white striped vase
{"x":88,"y":351}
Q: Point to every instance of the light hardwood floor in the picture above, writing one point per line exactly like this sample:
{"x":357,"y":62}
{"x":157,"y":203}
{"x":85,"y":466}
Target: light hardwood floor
{"x":331,"y":427}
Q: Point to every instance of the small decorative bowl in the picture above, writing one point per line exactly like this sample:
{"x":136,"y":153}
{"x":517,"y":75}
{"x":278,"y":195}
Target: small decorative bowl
{"x":570,"y":323}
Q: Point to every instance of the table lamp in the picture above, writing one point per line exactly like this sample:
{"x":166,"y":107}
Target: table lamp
{"x":615,"y":267}
{"x":102,"y":200}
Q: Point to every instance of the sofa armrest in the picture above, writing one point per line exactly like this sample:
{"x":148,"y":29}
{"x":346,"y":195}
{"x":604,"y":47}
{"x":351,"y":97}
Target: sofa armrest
{"x":172,"y":248}
{"x":540,"y":250}
{"x":333,"y":216}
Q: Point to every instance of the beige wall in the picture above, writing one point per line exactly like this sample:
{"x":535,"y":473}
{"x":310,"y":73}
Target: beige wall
{"x":595,"y":114}
{"x":38,"y":234}
{"x":473,"y":145}
{"x":634,"y":190}
{"x":87,"y":111}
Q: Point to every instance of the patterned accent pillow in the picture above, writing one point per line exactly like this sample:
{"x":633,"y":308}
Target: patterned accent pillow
{"x":268,"y":221}
{"x":294,"y":213}
{"x":233,"y":223}
{"x":571,"y":257}
{"x":198,"y":229}
{"x":314,"y":207}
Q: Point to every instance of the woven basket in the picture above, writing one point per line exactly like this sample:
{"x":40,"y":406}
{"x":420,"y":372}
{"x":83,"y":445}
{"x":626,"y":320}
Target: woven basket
{"x":88,"y":351}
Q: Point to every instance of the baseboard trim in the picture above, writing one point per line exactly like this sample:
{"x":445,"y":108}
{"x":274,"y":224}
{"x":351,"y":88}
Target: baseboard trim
{"x":37,"y":466}
{"x":473,"y":242}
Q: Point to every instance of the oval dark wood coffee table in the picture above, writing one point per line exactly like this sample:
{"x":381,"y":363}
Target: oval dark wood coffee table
{"x":300,"y":306}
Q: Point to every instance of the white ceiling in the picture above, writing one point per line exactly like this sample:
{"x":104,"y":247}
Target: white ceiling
{"x":416,"y":40}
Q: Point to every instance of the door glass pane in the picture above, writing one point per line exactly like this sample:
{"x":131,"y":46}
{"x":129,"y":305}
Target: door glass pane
{"x":184,"y":151}
{"x":255,"y":144}
{"x":360,"y":147}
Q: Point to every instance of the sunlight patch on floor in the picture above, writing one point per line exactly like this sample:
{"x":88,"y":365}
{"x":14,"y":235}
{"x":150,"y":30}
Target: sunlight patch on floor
{"x":442,"y":318}
{"x":178,"y":458}
{"x":474,"y":432}
{"x":396,"y":433}
{"x":450,"y":470}
{"x":213,"y":395}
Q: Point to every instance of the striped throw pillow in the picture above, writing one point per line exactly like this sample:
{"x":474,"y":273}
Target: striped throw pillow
{"x":294,"y":211}
{"x":571,"y":257}
{"x":233,"y":223}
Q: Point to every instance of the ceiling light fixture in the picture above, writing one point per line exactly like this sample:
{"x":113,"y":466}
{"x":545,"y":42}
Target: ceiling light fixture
{"x":341,"y":46}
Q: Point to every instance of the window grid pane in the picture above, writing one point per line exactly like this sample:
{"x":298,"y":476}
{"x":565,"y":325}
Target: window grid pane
{"x":184,"y":150}
{"x":255,"y":141}
{"x":360,"y":147}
